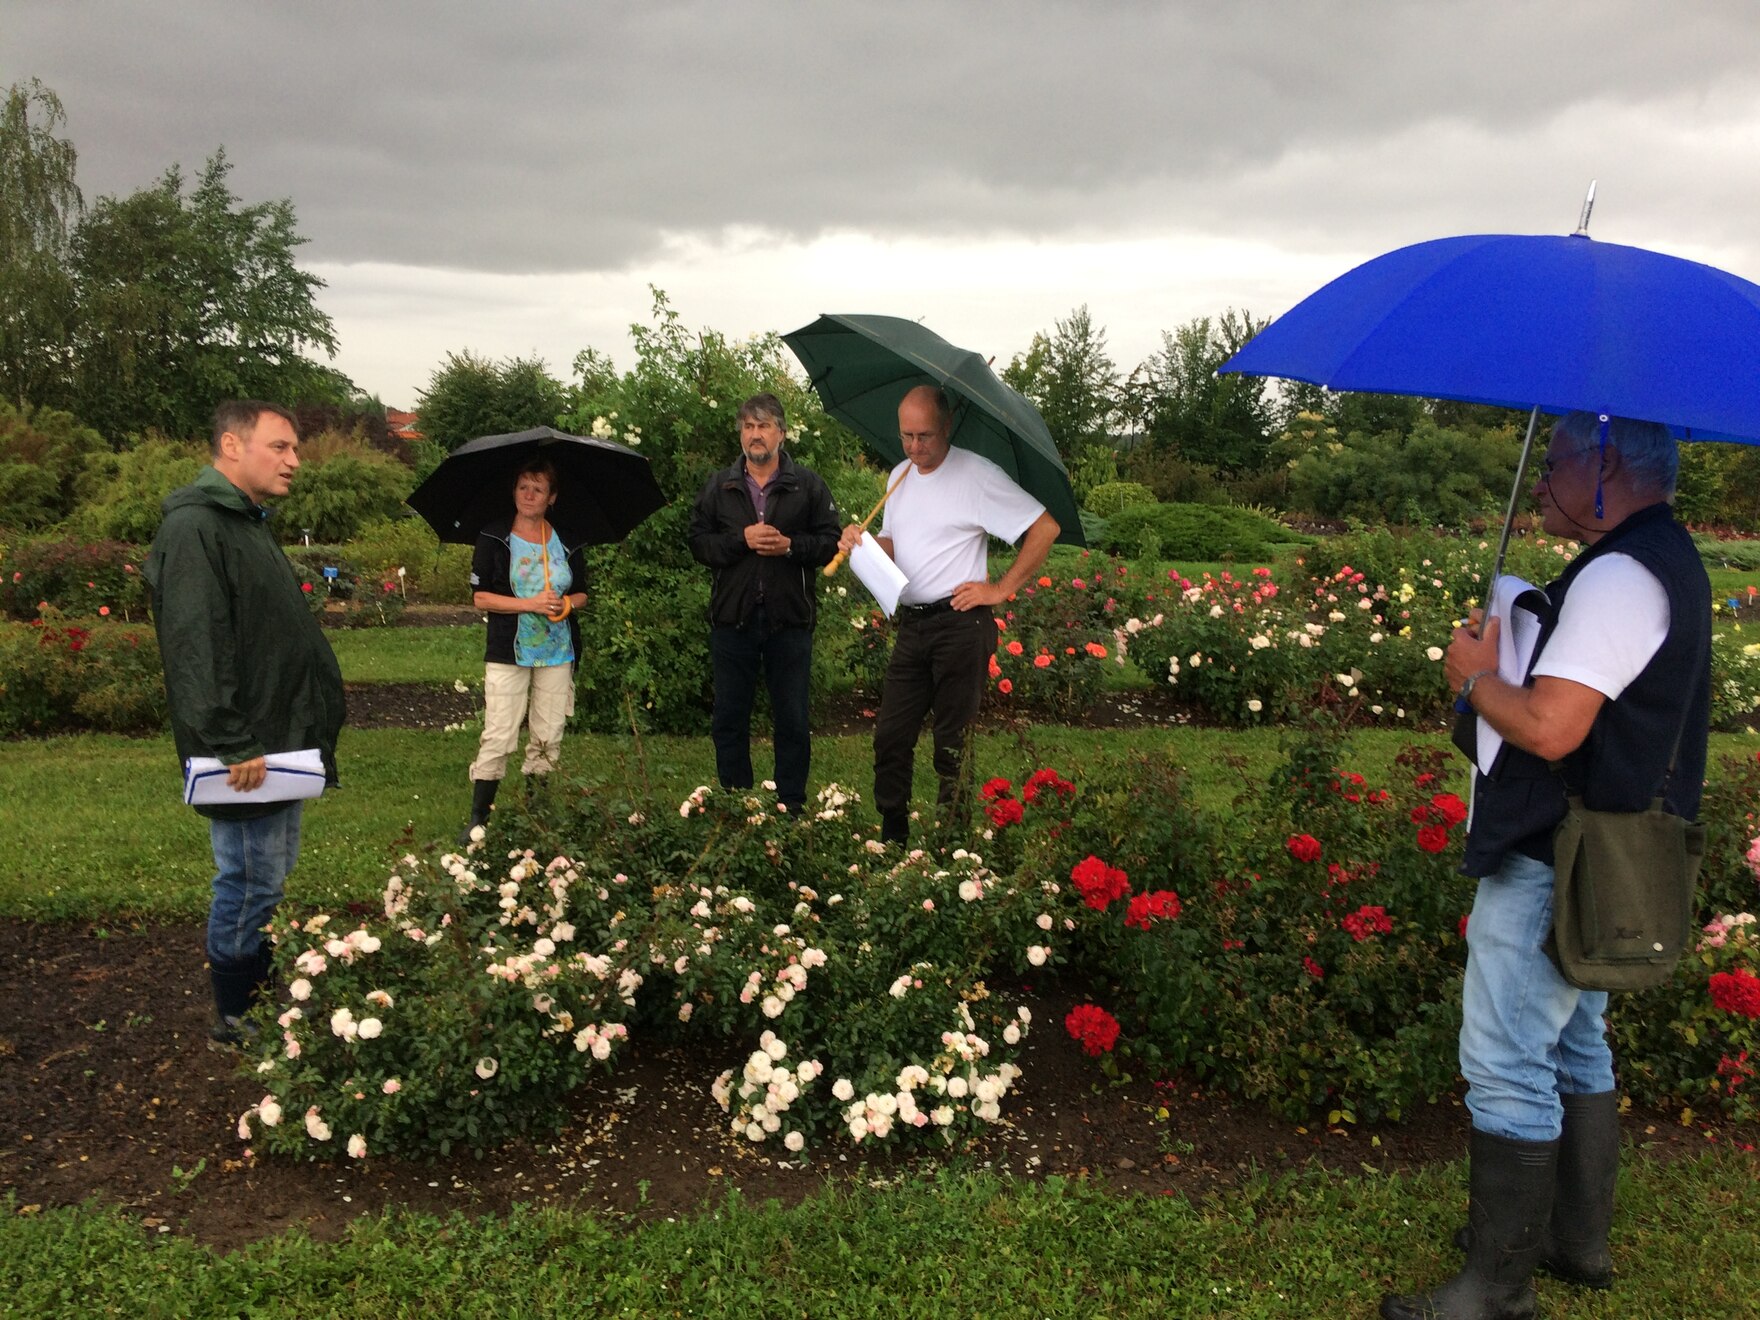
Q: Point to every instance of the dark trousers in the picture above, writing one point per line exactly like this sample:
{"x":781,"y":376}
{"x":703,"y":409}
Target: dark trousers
{"x":939,"y":665}
{"x":785,"y":655}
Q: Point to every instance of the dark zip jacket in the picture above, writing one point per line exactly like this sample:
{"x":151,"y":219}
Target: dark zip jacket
{"x":799,"y":506}
{"x":247,"y":668}
{"x":492,"y":571}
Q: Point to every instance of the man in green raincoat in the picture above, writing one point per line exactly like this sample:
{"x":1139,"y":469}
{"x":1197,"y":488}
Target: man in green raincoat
{"x":248,"y":673}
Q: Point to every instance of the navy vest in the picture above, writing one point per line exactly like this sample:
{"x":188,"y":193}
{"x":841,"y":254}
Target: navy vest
{"x":1623,"y":764}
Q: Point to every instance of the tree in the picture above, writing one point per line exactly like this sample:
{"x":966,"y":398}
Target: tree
{"x":1071,"y":380}
{"x":188,"y":298}
{"x":1182,"y":404}
{"x":39,"y":202}
{"x":470,"y":396}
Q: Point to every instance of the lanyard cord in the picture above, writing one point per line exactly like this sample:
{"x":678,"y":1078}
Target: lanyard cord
{"x":567,"y":604}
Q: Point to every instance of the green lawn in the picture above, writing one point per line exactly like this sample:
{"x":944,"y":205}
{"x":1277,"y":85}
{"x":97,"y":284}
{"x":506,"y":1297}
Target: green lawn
{"x":1308,"y":1245}
{"x":409,"y":655}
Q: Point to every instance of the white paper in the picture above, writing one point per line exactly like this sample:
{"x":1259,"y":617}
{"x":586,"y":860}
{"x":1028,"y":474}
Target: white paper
{"x":291,"y":775}
{"x":1518,"y":632}
{"x":878,"y":573}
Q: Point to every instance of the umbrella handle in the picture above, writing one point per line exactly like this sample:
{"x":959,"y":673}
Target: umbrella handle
{"x":837,"y":559}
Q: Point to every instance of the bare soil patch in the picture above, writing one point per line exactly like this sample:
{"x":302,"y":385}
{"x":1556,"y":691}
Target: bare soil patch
{"x":109,"y":1090}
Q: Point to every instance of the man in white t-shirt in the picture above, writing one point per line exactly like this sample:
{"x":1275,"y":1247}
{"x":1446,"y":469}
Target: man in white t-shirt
{"x":1616,"y":708}
{"x":935,"y":529}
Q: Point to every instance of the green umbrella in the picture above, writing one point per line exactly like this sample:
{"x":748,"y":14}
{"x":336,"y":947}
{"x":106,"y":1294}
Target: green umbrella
{"x":863,"y":366}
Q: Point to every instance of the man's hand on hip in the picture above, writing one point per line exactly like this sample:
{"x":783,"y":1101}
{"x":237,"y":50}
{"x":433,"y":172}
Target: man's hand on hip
{"x":976,"y":595}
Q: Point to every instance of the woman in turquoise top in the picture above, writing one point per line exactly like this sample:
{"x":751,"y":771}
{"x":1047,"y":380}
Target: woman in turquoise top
{"x":530,"y":583}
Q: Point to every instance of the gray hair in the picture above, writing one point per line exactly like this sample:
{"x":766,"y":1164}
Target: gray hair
{"x":764,"y":407}
{"x":1649,"y":453}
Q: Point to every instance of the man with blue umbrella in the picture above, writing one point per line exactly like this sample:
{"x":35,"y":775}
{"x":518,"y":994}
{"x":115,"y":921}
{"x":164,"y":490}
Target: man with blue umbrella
{"x":1617,"y":694}
{"x":1615,"y":709}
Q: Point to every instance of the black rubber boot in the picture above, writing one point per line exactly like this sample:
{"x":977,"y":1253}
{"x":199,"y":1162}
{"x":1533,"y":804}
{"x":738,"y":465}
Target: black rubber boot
{"x":482,"y":798}
{"x":1509,"y":1208}
{"x":235,"y":988}
{"x":895,"y":827}
{"x":1582,"y":1202}
{"x":1582,"y":1199}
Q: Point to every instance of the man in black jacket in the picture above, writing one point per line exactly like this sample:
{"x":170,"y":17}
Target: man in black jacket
{"x":763,"y":526}
{"x":248,"y":672}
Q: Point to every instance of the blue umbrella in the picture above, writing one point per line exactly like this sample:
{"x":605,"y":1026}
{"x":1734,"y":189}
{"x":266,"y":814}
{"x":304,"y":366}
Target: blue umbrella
{"x":1561,"y":324}
{"x":1553,"y":324}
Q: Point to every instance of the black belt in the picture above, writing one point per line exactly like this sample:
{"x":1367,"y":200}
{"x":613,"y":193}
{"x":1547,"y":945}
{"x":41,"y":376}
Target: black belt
{"x":941,"y":606}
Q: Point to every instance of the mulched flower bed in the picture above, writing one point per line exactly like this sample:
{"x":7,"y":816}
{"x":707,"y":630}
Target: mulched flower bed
{"x":108,"y":1089}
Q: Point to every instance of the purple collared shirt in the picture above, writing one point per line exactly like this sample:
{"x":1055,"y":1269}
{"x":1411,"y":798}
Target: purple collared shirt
{"x":756,"y":491}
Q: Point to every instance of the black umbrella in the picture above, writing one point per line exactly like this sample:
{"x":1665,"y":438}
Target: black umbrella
{"x":603,"y":489}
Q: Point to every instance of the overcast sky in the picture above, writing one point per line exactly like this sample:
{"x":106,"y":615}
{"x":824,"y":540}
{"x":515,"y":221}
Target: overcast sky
{"x":511,"y":176}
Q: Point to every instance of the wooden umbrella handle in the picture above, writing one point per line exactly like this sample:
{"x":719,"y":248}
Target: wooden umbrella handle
{"x":837,"y":559}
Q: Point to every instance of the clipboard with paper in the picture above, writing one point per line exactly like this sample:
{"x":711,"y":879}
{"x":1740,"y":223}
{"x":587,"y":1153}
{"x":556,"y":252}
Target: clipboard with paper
{"x":1519,"y":607}
{"x":290,"y":776}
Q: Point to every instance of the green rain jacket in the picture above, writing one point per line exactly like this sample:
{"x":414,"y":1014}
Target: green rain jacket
{"x":247,"y":669}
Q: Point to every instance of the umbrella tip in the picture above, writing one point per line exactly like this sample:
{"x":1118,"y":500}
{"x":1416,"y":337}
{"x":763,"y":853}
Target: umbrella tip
{"x":1582,"y":230}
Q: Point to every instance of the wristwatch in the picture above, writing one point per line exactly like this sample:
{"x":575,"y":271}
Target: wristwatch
{"x":1467,"y":687}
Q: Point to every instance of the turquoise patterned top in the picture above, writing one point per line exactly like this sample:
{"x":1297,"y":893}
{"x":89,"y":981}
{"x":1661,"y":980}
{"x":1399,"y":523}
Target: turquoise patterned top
{"x":539,"y":643}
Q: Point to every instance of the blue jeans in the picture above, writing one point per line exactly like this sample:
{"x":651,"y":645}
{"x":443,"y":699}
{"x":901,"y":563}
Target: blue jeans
{"x":785,"y":655}
{"x":253,"y":858}
{"x":1527,"y":1035}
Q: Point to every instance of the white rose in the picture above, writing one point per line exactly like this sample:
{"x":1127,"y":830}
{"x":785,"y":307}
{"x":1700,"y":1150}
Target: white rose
{"x":1433,"y":652}
{"x":1036,"y":954}
{"x":300,"y":989}
{"x":794,"y":1141}
{"x":370,"y":1028}
{"x":842,"y":1089}
{"x":357,"y":1146}
{"x":269,"y":1112}
{"x":487,"y":1068}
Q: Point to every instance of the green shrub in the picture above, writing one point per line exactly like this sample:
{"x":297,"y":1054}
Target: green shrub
{"x":119,"y":495}
{"x":1434,"y":476}
{"x":838,"y":995}
{"x":1191,"y":531}
{"x":74,"y":577}
{"x":333,"y":499}
{"x":1055,"y":639}
{"x":1108,"y":499}
{"x":340,"y":592}
{"x":1309,"y":955}
{"x":57,"y":676}
{"x":1096,"y":466}
{"x":43,"y":451}
{"x":1743,"y":556}
{"x":432,"y":572}
{"x":1173,"y":479}
{"x":645,"y":631}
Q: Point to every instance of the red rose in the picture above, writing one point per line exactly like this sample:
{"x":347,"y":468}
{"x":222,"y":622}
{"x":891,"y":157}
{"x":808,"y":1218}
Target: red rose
{"x":1367,"y":921}
{"x":1015,"y":648}
{"x":1313,"y":968}
{"x":1098,"y":883}
{"x":1146,"y":909}
{"x":1004,"y":812}
{"x":1433,"y":838}
{"x":1005,"y":686}
{"x":305,"y":586}
{"x":995,"y":788}
{"x":1094,"y":1027}
{"x":1736,"y":992}
{"x":1304,"y":847}
{"x":1463,"y":926}
{"x":1041,"y":660}
{"x":1047,"y":779}
{"x":1453,"y":810}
